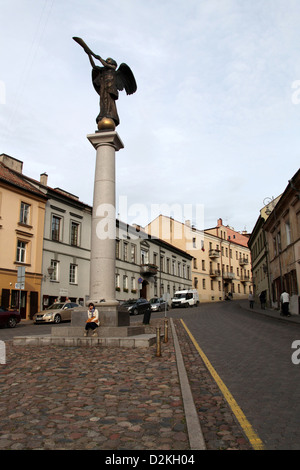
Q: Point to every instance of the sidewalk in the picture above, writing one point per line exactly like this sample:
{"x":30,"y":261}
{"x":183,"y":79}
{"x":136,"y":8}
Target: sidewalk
{"x":269,"y":312}
{"x":86,"y":398}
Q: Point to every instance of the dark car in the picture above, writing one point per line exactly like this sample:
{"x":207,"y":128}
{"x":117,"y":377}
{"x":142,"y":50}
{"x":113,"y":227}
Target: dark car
{"x":9,"y":318}
{"x":135,"y":307}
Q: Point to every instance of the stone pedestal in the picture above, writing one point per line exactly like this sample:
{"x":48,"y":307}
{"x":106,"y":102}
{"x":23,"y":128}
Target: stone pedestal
{"x":106,"y":330}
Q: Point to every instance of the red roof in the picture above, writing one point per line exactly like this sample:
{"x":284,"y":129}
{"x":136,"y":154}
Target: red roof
{"x":16,"y":179}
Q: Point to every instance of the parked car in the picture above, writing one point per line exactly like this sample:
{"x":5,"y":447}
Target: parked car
{"x":158,"y":305}
{"x":135,"y":307}
{"x":57,"y":312}
{"x":9,"y":318}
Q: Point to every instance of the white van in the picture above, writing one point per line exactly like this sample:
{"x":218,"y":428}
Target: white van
{"x":185,"y":298}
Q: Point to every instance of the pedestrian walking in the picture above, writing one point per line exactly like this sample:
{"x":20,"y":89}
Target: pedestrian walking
{"x":251,"y":300}
{"x":93,"y":321}
{"x":285,"y":303}
{"x":262,"y":299}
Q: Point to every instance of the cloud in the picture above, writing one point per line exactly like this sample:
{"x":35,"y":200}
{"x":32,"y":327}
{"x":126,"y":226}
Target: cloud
{"x":212,"y":117}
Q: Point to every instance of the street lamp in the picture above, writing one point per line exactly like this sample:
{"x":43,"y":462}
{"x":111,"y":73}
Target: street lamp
{"x":50,"y":270}
{"x":270,"y":200}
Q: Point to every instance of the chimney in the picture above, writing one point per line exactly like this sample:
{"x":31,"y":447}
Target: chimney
{"x":11,"y":162}
{"x":220,"y":222}
{"x":44,"y":179}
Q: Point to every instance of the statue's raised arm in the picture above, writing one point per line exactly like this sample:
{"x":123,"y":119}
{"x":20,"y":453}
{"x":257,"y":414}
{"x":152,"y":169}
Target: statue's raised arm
{"x":108,"y":81}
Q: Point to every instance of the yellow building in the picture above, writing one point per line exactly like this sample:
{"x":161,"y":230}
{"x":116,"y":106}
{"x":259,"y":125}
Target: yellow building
{"x":22,"y":212}
{"x":221,"y":258}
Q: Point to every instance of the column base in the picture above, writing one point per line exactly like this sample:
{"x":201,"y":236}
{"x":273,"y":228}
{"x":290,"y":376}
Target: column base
{"x":108,"y":312}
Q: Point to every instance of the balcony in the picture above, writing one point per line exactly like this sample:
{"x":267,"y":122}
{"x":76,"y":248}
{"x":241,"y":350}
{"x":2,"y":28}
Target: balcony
{"x":150,"y":269}
{"x":229,"y":276}
{"x":245,"y":278}
{"x":215,"y":273}
{"x":214,"y":253}
{"x":243,"y":261}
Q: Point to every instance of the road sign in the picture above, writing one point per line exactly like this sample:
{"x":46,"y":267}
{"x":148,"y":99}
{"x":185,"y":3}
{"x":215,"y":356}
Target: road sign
{"x":20,"y":285}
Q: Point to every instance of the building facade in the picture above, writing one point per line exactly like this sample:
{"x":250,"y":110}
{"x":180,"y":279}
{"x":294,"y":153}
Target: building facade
{"x":221,"y":258}
{"x":66,"y":246}
{"x":282,"y":229}
{"x":147,"y":266}
{"x":22,"y":213}
{"x":48,"y":231}
{"x":260,"y":257}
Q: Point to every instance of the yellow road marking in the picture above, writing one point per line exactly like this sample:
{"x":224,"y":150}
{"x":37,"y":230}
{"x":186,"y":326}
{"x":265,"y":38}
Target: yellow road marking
{"x":255,"y":441}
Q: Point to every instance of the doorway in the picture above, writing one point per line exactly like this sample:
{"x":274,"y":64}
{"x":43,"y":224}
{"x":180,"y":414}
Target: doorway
{"x":143,"y":291}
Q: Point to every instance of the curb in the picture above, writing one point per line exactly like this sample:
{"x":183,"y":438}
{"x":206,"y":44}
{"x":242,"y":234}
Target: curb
{"x":192,"y":420}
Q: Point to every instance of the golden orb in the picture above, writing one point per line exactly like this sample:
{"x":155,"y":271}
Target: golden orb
{"x":106,"y":124}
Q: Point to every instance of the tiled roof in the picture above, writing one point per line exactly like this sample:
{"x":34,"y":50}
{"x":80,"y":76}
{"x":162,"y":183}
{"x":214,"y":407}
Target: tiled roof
{"x":16,"y":179}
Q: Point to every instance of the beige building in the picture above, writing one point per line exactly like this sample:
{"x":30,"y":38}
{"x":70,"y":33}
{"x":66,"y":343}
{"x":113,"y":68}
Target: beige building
{"x":283,"y":240}
{"x":221,"y":258}
{"x":22,"y":212}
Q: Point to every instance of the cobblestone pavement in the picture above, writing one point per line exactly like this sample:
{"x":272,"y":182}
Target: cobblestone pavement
{"x":109,"y":399}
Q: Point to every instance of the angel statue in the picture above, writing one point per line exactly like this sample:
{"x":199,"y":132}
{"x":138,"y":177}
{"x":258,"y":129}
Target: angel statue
{"x":107,"y":81}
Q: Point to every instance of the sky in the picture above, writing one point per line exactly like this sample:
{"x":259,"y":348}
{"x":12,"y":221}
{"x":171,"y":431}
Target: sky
{"x":213,"y":129}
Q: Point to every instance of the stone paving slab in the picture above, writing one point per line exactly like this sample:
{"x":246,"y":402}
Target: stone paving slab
{"x":99,"y":398}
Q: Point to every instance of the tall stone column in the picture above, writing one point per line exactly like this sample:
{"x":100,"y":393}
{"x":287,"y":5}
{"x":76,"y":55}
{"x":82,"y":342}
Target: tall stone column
{"x":103,"y":236}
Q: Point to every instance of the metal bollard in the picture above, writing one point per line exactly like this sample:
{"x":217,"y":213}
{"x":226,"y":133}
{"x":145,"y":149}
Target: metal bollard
{"x":158,"y":347}
{"x":166,"y":331}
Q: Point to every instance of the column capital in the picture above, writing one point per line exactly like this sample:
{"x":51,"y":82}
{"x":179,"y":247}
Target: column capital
{"x":106,"y":138}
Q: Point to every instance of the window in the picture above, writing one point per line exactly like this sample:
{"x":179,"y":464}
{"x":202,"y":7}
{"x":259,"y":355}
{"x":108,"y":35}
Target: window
{"x":118,"y":281}
{"x":54,"y":275}
{"x":133,"y":284}
{"x":194,"y":242}
{"x":24,"y":213}
{"x":133,"y":253}
{"x":117,"y":249}
{"x":288,"y":232}
{"x":173,"y":267}
{"x":73,"y":274}
{"x":55,"y":228}
{"x":274,"y":246}
{"x":21,"y":252}
{"x":203,"y":284}
{"x":125,"y":253}
{"x":168,"y":265}
{"x":203,"y":265}
{"x":144,"y":256}
{"x":125,"y":283}
{"x":74,"y":234}
{"x":279,"y":242}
